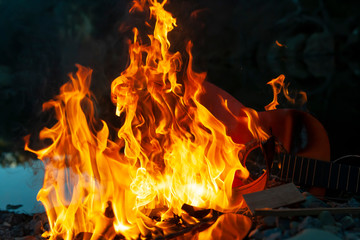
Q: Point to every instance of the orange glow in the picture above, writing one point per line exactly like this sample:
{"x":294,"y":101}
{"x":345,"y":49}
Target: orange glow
{"x":195,"y":13}
{"x":169,"y":151}
{"x":279,"y":44}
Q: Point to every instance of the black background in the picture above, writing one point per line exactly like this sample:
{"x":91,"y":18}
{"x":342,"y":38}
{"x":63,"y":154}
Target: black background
{"x":234,"y":41}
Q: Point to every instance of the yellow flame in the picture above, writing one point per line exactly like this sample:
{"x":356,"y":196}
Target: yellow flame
{"x":170,"y":149}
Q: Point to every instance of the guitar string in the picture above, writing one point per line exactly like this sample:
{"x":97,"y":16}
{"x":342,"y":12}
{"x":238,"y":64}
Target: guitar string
{"x":302,"y":161}
{"x":312,"y":183}
{"x":347,"y":181}
{"x":314,"y":172}
{"x":282,"y":167}
{"x":307,"y":172}
{"x":288,"y":166}
{"x":338,"y":177}
{"x":329,"y":175}
{"x":293,"y":175}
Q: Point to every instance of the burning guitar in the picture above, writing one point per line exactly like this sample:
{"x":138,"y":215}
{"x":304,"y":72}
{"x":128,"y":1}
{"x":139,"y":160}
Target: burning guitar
{"x":305,"y":155}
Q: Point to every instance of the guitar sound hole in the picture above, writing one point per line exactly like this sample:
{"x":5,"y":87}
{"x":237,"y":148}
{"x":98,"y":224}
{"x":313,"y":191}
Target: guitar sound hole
{"x":255,"y":163}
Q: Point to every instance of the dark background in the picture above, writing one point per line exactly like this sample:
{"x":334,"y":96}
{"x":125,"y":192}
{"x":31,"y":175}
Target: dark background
{"x":234,"y":41}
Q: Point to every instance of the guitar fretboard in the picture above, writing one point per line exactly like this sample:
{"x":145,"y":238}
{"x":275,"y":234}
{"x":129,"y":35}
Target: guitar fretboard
{"x":310,"y":172}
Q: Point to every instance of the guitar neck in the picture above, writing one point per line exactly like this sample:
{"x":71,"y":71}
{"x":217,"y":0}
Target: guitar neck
{"x":311,"y":172}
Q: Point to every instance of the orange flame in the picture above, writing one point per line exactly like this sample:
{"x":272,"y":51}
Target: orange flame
{"x":170,"y":150}
{"x":279,"y":44}
{"x":278,"y":85}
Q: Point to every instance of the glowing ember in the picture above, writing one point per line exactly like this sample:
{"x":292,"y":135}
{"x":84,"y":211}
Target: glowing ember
{"x":170,"y":150}
{"x":279,"y":44}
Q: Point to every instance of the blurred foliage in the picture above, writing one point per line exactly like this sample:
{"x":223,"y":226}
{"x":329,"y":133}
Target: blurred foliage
{"x":14,"y":159}
{"x":234,"y":41}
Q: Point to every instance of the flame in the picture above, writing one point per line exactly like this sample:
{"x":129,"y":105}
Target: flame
{"x":279,"y":86}
{"x":279,"y":44}
{"x":169,"y":151}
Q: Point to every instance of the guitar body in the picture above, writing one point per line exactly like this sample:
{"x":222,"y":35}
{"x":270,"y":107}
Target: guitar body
{"x":298,"y":132}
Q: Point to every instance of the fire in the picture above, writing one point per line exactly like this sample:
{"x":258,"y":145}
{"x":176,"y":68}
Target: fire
{"x":279,"y":44}
{"x":169,"y":151}
{"x":278,"y":86}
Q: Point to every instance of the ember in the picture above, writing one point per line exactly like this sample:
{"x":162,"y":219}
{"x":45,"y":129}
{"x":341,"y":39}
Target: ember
{"x":170,"y":150}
